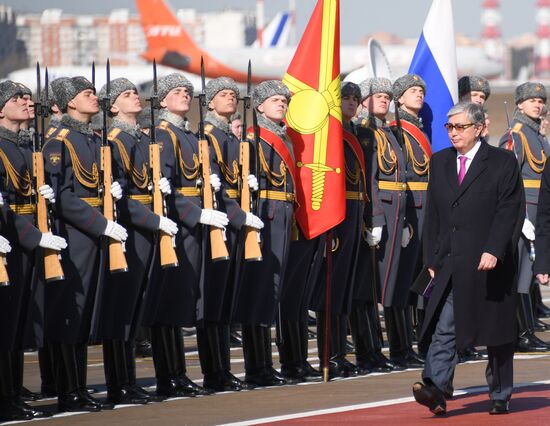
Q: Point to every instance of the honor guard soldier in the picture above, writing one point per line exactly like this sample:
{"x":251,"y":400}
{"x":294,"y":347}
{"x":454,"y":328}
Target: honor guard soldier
{"x":220,"y":279}
{"x":123,"y":293}
{"x":72,"y":166}
{"x":56,"y":87}
{"x":18,"y":290}
{"x":531,"y":150}
{"x":263,"y":281}
{"x":378,"y":249}
{"x":408,"y":93}
{"x":475,"y":89}
{"x":173,"y":298}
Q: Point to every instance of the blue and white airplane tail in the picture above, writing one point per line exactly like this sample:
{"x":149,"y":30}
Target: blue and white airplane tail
{"x":277,"y":32}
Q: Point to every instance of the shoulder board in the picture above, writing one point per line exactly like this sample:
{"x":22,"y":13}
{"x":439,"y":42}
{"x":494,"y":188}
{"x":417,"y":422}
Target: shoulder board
{"x":517,"y":127}
{"x":62,"y":134}
{"x":113,"y":134}
{"x":50,"y":132}
{"x":208,"y":128}
{"x":163,"y":125}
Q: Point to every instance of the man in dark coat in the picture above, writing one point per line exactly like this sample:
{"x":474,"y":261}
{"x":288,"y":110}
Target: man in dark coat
{"x":474,"y":216}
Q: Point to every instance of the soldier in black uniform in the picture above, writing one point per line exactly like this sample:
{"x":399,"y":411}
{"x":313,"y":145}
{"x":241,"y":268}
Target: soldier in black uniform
{"x":219,"y":283}
{"x":531,"y":150}
{"x":408,"y":93}
{"x":382,"y":155}
{"x":172,"y":301}
{"x":72,"y":164}
{"x":263,"y":282}
{"x":18,"y":225}
{"x":123,"y":293}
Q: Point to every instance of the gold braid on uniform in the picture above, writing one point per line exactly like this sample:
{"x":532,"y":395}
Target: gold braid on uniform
{"x":85,"y":177}
{"x":275,"y":179}
{"x":421,"y":168}
{"x":353,"y":176}
{"x":231,"y":176}
{"x":22,"y":184}
{"x":536,"y":165}
{"x":385,"y":164}
{"x":140,"y":179}
{"x":189,"y":172}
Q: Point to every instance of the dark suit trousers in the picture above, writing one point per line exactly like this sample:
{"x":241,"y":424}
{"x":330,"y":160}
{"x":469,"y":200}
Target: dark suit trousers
{"x":442,"y":359}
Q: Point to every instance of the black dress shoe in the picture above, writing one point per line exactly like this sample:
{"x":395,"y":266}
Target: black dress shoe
{"x":431,"y":397}
{"x":169,"y":389}
{"x":35,"y":412}
{"x":531,"y":343}
{"x":350,"y":367}
{"x":235,"y":339}
{"x":403,"y":361}
{"x":499,"y":406}
{"x":364,"y":367}
{"x":218,"y":382}
{"x":27,"y":395}
{"x":153,"y":397}
{"x":48,"y":392}
{"x":127,"y":395}
{"x":541,"y":325}
{"x":242,"y":385}
{"x":103,"y":405}
{"x":10,"y":411}
{"x":381,"y":364}
{"x":264,"y":377}
{"x":144,"y":349}
{"x":188,"y":387}
{"x":542,"y":311}
{"x":75,"y":401}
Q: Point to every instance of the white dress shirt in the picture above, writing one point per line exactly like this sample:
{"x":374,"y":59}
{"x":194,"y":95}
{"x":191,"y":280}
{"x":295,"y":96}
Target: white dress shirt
{"x":469,"y":155}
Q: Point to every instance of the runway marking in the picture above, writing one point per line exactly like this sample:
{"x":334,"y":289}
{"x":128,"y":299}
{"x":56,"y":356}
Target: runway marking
{"x":354,"y":407}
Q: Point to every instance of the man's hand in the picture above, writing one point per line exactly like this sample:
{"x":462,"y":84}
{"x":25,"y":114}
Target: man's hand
{"x":374,"y":236}
{"x":543,"y":278}
{"x":487,"y":262}
{"x":528,"y":230}
{"x":432,"y":273}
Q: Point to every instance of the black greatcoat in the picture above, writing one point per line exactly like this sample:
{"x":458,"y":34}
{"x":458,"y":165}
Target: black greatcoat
{"x":484,"y":214}
{"x":121,"y":304}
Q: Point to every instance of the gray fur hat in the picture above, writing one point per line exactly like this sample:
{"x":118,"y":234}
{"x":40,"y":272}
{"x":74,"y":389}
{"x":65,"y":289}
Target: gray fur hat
{"x":374,"y":85}
{"x":56,"y":88}
{"x":235,"y":116}
{"x":66,"y":90}
{"x":530,"y":90}
{"x":24,"y":89}
{"x":170,"y":82}
{"x":347,"y":88}
{"x":405,"y":82}
{"x":144,"y":117}
{"x":8,"y":89}
{"x":267,"y":89}
{"x":117,"y":86}
{"x":217,"y":85}
{"x":476,"y":83}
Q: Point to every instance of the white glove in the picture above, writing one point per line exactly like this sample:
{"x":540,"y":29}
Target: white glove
{"x":405,"y":237}
{"x":53,"y":242}
{"x":252,"y":182}
{"x":116,"y":191}
{"x":215,"y":182}
{"x":528,"y":230}
{"x":374,"y":236}
{"x":5,"y":246}
{"x":253,"y":221}
{"x":168,"y":226}
{"x":1,"y":200}
{"x":115,"y":231}
{"x":214,"y":218}
{"x":47,"y":192}
{"x":164,"y":186}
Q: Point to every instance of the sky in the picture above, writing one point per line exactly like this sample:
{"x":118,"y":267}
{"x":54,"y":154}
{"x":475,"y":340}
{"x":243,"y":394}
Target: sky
{"x":358,"y":17}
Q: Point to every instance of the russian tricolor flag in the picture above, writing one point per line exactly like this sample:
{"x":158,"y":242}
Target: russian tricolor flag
{"x":435,"y":61}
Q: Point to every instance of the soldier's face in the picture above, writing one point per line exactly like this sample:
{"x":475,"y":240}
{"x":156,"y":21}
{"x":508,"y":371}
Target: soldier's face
{"x":224,"y":103}
{"x":85,"y":102}
{"x":349,"y":107}
{"x":412,"y":99}
{"x":127,"y":103}
{"x":237,"y":128}
{"x":477,"y":97}
{"x":274,"y":108}
{"x":178,"y":101}
{"x":15,"y":110}
{"x":464,"y":139}
{"x":532,"y":108}
{"x":378,"y":104}
{"x":30,"y":105}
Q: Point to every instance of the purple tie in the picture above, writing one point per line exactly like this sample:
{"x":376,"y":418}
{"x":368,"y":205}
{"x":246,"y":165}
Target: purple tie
{"x":462,"y":170}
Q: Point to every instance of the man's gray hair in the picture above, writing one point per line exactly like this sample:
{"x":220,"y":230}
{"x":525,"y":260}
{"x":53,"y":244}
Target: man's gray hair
{"x":475,"y":112}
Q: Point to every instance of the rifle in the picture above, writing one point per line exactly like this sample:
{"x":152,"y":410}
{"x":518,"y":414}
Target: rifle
{"x":398,"y":127}
{"x":53,"y":271}
{"x":252,"y":250}
{"x":217,"y":244}
{"x":168,"y":256}
{"x":117,"y":259}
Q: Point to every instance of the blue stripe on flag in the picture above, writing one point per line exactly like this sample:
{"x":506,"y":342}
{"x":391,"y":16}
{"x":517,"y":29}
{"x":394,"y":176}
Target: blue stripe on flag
{"x":438,"y":100}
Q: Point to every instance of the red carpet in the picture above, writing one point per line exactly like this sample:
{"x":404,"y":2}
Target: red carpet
{"x":530,"y":405}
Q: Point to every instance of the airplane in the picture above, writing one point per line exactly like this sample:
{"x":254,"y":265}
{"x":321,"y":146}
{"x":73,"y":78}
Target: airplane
{"x":277,"y":33}
{"x":171,"y":45}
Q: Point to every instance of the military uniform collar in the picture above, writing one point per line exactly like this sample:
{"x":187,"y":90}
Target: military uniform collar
{"x":266,"y":123}
{"x":132,"y":129}
{"x":528,"y":121}
{"x":212,"y":118}
{"x":174,"y":119}
{"x":55,"y":121}
{"x":78,"y":126}
{"x":25,"y":136}
{"x":9,"y":135}
{"x":404,"y":115}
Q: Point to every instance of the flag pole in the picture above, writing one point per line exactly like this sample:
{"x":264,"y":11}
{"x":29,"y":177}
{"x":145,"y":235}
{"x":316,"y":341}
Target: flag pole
{"x":328,"y":291}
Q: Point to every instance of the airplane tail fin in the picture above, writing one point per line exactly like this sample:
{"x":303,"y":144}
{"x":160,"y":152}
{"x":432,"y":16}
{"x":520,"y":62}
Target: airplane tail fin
{"x":276,"y":34}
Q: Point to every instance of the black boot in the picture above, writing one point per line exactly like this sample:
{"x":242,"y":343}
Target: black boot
{"x":210,"y":359}
{"x":47,"y":371}
{"x":527,"y":341}
{"x":81,"y":350}
{"x":10,"y":410}
{"x":290,"y":352}
{"x":161,"y":339}
{"x":184,"y":383}
{"x":540,"y":309}
{"x":401,"y":353}
{"x":253,"y":351}
{"x":312,"y":375}
{"x":342,"y":322}
{"x":143,"y":347}
{"x":225,"y":353}
{"x":130,"y":355}
{"x":360,"y":331}
{"x":273,"y":376}
{"x":379,"y":362}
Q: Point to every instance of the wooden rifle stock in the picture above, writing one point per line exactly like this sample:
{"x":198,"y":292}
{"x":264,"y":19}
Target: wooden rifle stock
{"x":217,"y":243}
{"x":117,"y":258}
{"x":53,"y":271}
{"x":168,"y":256}
{"x":252,"y":250}
{"x":4,"y":277}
